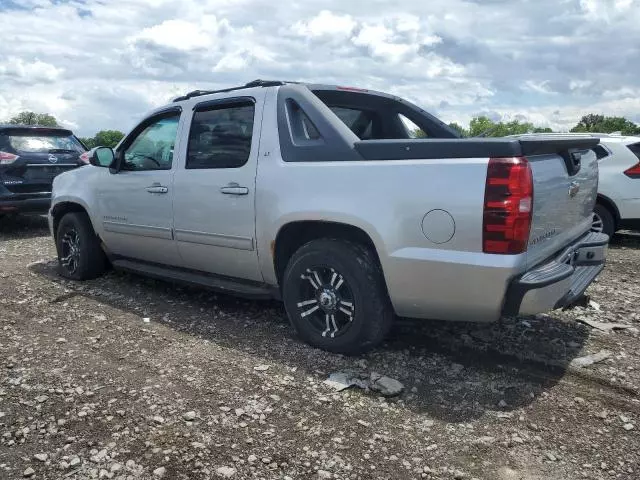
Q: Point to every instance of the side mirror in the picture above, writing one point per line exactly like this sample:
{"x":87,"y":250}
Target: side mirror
{"x":102,"y":157}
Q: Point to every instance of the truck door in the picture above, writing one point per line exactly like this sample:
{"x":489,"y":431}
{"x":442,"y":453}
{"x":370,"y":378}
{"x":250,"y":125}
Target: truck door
{"x":214,"y":190}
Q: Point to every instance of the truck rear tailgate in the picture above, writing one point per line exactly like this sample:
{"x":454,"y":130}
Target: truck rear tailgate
{"x":565,"y":185}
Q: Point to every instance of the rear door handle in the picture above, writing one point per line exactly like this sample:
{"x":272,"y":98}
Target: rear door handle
{"x":234,"y":189}
{"x":157,"y":188}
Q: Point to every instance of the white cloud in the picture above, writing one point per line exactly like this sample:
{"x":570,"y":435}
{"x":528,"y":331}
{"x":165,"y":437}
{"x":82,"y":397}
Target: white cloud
{"x":29,"y":72}
{"x":325,"y":23}
{"x":179,"y":34}
{"x":579,"y":84}
{"x":538,"y":87}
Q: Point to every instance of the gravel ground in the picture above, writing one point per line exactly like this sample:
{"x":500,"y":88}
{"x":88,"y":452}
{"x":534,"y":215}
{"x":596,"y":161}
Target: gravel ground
{"x":129,"y":378}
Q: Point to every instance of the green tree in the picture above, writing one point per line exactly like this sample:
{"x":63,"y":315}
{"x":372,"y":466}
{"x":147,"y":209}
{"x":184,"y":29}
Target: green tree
{"x":484,"y":125}
{"x":479,"y":125}
{"x":104,"y":138}
{"x":108,"y":138}
{"x":595,"y":123}
{"x":458,"y":128}
{"x":542,"y":130}
{"x":33,"y":118}
{"x":88,"y":141}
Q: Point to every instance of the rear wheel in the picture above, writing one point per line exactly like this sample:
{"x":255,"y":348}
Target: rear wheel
{"x":603,"y":220}
{"x":335,"y":296}
{"x":80,"y":256}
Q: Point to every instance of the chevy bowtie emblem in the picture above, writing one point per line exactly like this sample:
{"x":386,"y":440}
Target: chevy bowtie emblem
{"x":574,"y":188}
{"x":52,"y":158}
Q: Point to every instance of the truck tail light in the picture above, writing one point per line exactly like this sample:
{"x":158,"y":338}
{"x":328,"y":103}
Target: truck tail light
{"x":6,"y":158}
{"x":84,"y":158}
{"x":508,"y":205}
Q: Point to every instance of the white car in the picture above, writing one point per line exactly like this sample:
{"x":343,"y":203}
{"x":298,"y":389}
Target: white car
{"x":618,"y":203}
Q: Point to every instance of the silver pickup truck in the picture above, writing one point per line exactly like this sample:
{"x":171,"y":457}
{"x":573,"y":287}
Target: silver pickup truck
{"x":321,"y":196}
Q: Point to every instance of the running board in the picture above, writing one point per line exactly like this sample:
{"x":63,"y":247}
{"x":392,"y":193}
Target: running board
{"x":188,"y":277}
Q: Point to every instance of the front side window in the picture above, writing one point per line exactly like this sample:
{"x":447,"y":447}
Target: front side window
{"x":220,"y":136}
{"x":153,"y":148}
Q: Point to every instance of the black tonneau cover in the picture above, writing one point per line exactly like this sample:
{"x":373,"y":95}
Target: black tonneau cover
{"x":469,"y":147}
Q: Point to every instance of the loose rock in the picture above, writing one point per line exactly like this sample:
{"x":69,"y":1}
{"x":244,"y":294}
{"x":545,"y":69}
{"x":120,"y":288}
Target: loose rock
{"x":159,"y":472}
{"x":226,"y":472}
{"x":387,"y":386}
{"x":590,"y":359}
{"x":189,"y":416}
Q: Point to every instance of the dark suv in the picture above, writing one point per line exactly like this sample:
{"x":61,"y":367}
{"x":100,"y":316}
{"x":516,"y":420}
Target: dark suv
{"x":30,"y":157}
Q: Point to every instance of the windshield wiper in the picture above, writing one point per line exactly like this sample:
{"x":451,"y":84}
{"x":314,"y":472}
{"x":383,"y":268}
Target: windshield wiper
{"x":61,"y":150}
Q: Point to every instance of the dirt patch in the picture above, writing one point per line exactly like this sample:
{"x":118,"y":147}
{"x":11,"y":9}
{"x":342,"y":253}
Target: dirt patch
{"x":90,"y":389}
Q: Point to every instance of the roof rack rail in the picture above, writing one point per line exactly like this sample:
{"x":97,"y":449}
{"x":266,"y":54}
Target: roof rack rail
{"x":254,"y":83}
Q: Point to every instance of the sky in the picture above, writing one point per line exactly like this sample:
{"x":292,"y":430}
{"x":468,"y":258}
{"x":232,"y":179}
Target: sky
{"x":102,"y":64}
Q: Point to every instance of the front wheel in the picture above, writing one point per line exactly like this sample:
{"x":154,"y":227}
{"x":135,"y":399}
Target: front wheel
{"x":335,"y":296}
{"x":80,"y":256}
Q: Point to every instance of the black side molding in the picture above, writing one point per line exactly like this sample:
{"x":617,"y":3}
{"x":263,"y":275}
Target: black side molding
{"x":219,"y":283}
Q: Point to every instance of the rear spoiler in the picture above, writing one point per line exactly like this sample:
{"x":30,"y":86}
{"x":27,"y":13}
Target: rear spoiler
{"x":19,"y":130}
{"x":415,"y":149}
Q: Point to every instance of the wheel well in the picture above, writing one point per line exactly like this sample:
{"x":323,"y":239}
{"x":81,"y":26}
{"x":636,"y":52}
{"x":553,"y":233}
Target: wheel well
{"x":61,"y":209}
{"x":609,"y":205}
{"x":294,"y":235}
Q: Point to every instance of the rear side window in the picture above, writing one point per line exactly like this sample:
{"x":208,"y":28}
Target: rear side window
{"x":220,"y":136}
{"x":361,"y":122}
{"x":600,"y":152}
{"x":302,"y":128}
{"x":29,"y":142}
{"x":413,"y":130}
{"x":635,"y":148}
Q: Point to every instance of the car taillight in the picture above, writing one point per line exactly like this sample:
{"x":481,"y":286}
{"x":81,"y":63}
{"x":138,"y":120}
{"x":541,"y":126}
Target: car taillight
{"x":633,"y":172}
{"x":84,"y":158}
{"x":6,"y":158}
{"x":508,"y":205}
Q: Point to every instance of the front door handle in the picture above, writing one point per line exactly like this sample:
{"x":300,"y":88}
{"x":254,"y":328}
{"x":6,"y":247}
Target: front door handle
{"x":234,"y":189}
{"x":157,"y":188}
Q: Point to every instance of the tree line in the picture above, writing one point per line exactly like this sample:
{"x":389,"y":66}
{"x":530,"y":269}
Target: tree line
{"x":479,"y":126}
{"x":591,"y":123}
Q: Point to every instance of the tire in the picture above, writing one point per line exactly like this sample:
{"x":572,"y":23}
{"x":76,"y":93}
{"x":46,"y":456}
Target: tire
{"x":603,"y":220}
{"x":354,"y":312}
{"x":80,"y":256}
